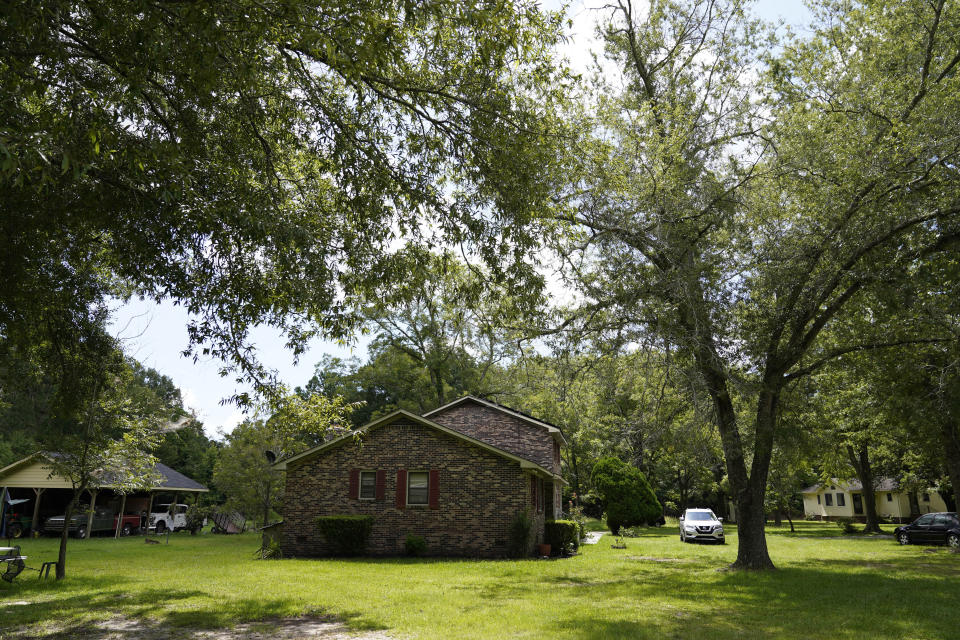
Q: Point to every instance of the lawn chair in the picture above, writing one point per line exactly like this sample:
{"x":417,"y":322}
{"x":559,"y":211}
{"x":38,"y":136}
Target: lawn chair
{"x":12,"y":561}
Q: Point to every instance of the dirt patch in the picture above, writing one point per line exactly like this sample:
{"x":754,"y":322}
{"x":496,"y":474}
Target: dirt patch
{"x":653,"y":559}
{"x":119,"y":628}
{"x":291,"y":629}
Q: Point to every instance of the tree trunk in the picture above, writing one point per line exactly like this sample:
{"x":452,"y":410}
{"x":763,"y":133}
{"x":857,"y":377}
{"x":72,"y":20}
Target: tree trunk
{"x":266,"y":505}
{"x":914,"y":504}
{"x":62,"y":557}
{"x":790,"y":520}
{"x":438,"y":386}
{"x":861,"y":464}
{"x":777,"y":517}
{"x":747,"y":490}
{"x":950,"y":440}
{"x":576,"y":475}
{"x":752,"y":551}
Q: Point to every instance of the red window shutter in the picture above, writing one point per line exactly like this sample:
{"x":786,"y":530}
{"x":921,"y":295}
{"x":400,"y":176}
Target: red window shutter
{"x":381,"y":484}
{"x":533,"y":492}
{"x":354,"y":484}
{"x":401,"y":488}
{"x":434,"y":488}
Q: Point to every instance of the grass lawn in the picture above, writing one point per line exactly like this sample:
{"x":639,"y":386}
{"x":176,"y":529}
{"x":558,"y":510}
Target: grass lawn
{"x":827,"y":586}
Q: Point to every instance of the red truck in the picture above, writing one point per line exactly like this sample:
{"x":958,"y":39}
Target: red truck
{"x":103,"y":520}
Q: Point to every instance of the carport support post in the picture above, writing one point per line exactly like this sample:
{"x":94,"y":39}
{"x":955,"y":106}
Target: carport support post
{"x":93,"y":505}
{"x":146,"y":527}
{"x":175,"y":510}
{"x":3,"y":511}
{"x":123,"y":506}
{"x":35,"y":523}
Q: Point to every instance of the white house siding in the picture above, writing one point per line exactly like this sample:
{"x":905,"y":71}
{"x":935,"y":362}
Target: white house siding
{"x":935,"y":503}
{"x":896,"y":509}
{"x":810,"y":506}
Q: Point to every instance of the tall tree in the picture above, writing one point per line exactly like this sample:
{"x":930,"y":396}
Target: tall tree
{"x":96,"y":435}
{"x":737,"y":215}
{"x":245,"y":472}
{"x":449,"y":321}
{"x":246,"y":477}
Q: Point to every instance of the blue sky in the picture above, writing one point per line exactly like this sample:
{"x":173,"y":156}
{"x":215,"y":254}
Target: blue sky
{"x":156,"y":334}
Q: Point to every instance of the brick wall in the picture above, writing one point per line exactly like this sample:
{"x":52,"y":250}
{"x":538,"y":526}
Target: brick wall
{"x":479,"y":494}
{"x":503,"y":431}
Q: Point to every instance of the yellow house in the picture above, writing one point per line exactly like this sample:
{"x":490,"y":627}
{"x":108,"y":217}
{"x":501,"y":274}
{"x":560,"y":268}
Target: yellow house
{"x":844,"y":499}
{"x":34,"y":479}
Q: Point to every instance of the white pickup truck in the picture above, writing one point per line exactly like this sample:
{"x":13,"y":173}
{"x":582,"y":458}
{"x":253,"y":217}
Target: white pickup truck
{"x":169,"y":517}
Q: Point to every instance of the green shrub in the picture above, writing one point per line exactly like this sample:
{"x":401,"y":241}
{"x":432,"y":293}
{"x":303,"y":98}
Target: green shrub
{"x":563,"y":536}
{"x":270,"y":550}
{"x":592,"y":505}
{"x":347,"y":535}
{"x":846,"y":525}
{"x":415,"y":545}
{"x":195,"y":516}
{"x":628,"y":499}
{"x":576,"y":514}
{"x":520,"y":527}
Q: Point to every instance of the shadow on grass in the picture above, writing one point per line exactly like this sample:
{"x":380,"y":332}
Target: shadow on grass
{"x":818,"y":601}
{"x":103,"y":607}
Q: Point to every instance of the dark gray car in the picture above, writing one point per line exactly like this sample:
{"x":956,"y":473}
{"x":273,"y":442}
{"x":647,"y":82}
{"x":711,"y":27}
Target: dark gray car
{"x":931,"y":528}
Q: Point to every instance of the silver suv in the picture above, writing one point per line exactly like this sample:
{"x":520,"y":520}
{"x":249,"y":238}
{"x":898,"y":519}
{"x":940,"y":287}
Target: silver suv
{"x":701,"y":524}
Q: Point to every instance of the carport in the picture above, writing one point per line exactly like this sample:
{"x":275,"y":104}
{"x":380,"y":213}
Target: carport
{"x":32,"y":478}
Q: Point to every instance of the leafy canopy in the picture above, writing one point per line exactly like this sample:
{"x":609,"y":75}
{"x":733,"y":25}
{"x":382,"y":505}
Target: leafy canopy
{"x":264,"y":162}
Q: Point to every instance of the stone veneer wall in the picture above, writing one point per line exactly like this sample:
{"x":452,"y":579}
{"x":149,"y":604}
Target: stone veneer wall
{"x":503,"y":431}
{"x":479,"y":494}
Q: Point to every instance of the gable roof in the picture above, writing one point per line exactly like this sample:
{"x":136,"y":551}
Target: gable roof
{"x":553,"y":429}
{"x":883,"y":484}
{"x":401,"y":413}
{"x":173,"y":479}
{"x":170,"y":479}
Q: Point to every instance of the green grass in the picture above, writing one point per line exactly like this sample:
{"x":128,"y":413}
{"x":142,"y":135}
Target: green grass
{"x":826,"y":587}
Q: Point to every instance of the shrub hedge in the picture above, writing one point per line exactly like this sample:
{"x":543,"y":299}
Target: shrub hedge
{"x":562,"y":535}
{"x":415,"y":545}
{"x":520,"y":527}
{"x":348,"y":535}
{"x":628,"y":499}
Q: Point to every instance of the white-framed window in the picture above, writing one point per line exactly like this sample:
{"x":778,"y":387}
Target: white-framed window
{"x":828,"y":497}
{"x":818,"y":498}
{"x":841,"y":500}
{"x":368,"y":485}
{"x":418,"y":488}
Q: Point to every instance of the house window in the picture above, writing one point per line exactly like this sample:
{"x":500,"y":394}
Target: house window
{"x":368,"y":485}
{"x":418,"y":487}
{"x":818,"y":498}
{"x":841,"y":500}
{"x":829,"y":499}
{"x":889,"y":497}
{"x":539,"y":495}
{"x":926,"y":497}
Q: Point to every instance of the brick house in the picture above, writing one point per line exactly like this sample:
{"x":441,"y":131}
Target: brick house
{"x":457,"y":476}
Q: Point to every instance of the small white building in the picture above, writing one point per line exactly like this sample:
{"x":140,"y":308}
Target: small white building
{"x":844,"y":499}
